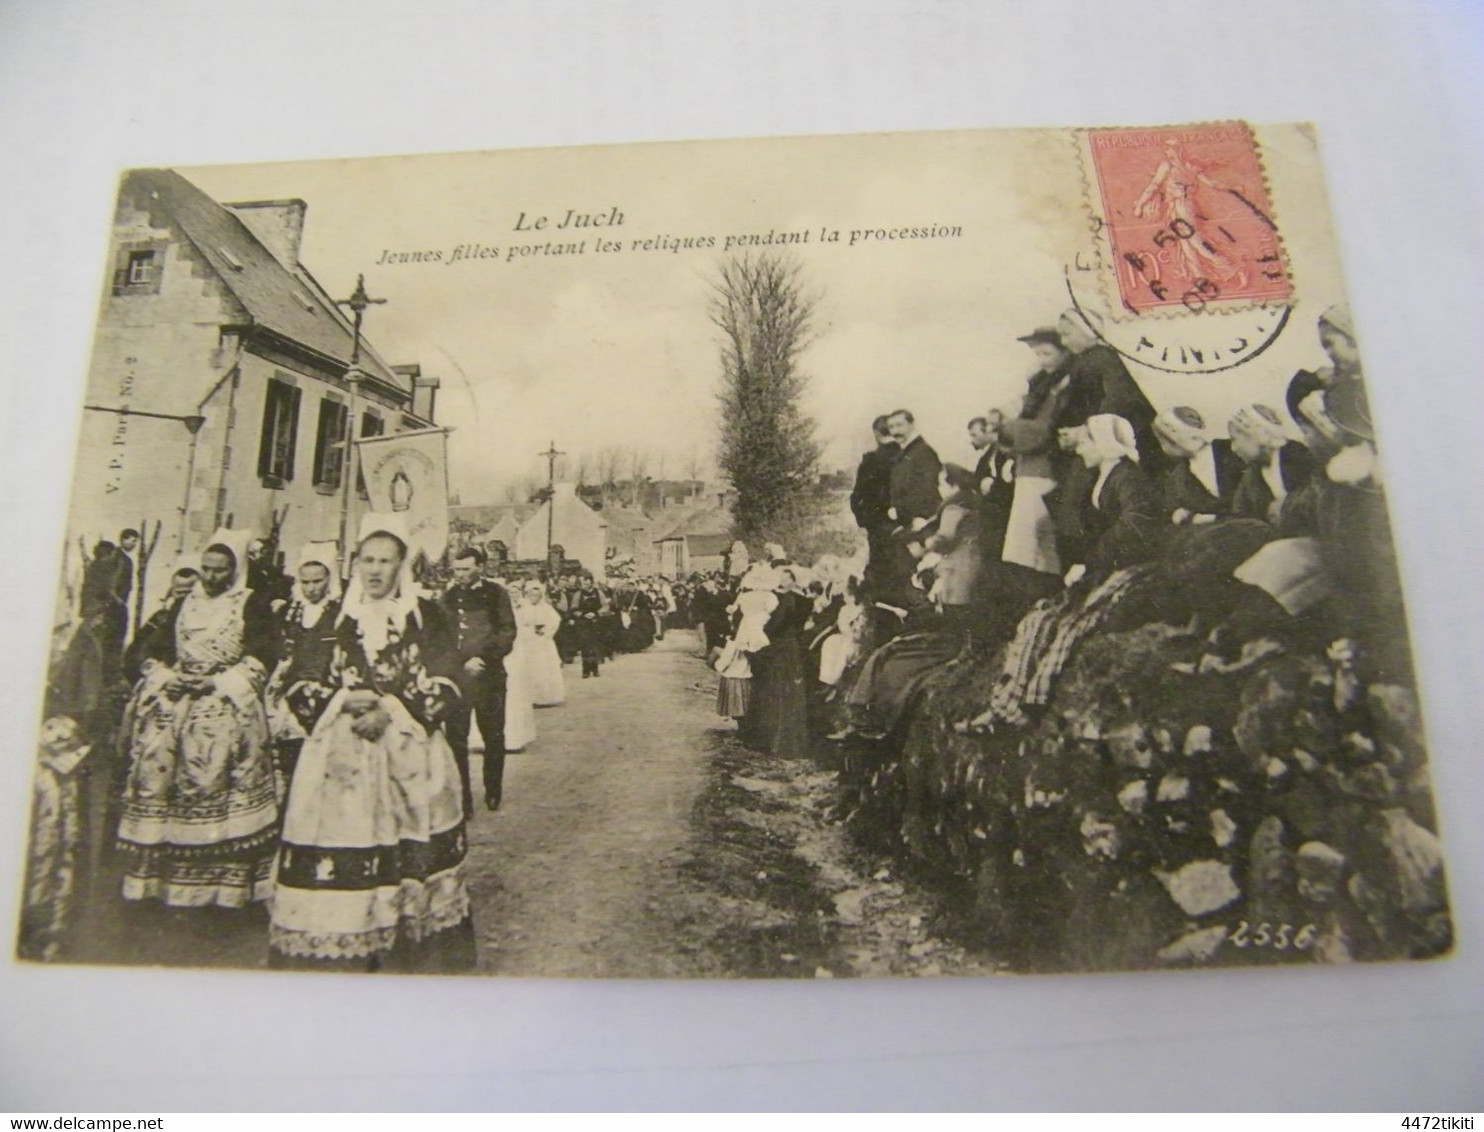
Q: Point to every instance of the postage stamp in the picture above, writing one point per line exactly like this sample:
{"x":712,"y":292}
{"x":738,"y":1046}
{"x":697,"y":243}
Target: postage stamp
{"x":1187,"y":218}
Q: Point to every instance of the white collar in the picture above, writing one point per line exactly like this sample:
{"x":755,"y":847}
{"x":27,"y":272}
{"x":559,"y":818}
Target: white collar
{"x":1203,"y":468}
{"x":1272,"y":474}
{"x":1103,"y":473}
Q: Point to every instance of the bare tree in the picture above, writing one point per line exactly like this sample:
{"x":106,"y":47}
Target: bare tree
{"x":695,"y":467}
{"x":608,"y":462}
{"x":768,"y":449}
{"x":638,"y":465}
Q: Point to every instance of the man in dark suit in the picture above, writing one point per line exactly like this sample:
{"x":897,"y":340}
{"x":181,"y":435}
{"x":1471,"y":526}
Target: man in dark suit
{"x":914,"y":496}
{"x":995,"y":476}
{"x":481,"y":612}
{"x":870,"y":501}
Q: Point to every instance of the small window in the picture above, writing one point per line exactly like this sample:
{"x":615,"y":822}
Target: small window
{"x":232,"y":261}
{"x":304,"y":300}
{"x":141,"y":269}
{"x":280,"y":430}
{"x":138,"y":269}
{"x":329,"y":444}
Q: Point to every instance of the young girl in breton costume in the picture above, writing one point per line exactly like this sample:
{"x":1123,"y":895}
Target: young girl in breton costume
{"x":200,"y":813}
{"x":371,"y":870}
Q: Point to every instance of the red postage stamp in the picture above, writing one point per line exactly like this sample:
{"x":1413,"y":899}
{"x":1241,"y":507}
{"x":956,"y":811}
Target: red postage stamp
{"x":1186,"y":213}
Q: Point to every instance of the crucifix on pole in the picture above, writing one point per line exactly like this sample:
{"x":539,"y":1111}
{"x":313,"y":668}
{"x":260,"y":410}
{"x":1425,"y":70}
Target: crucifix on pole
{"x":358,"y":302}
{"x":551,"y":455}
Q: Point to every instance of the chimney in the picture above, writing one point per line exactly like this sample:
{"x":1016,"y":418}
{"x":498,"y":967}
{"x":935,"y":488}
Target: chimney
{"x":278,"y":225}
{"x":424,"y":389}
{"x":425,"y":396}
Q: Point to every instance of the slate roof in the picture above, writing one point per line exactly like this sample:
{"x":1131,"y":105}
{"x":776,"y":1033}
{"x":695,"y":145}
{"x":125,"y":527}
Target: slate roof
{"x":623,"y":517}
{"x":266,"y":288}
{"x":705,"y":520}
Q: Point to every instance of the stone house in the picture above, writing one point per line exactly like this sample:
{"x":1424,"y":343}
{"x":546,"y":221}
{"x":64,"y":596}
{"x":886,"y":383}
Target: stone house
{"x":217,"y":393}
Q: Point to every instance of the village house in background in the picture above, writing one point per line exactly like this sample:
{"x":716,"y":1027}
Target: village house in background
{"x":676,"y":528}
{"x":698,"y":543}
{"x":218,"y":380}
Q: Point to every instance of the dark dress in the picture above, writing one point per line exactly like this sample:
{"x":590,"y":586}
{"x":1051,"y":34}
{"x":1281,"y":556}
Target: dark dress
{"x":1199,"y":555}
{"x":1123,"y":522}
{"x":1180,"y":490}
{"x":588,"y":627}
{"x":1103,"y":371}
{"x":777,"y":718}
{"x":1254,"y":498}
{"x":639,"y":633}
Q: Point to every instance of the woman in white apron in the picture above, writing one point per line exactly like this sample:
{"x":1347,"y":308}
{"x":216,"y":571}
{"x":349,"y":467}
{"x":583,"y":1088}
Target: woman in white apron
{"x":520,"y":711}
{"x":548,"y":688}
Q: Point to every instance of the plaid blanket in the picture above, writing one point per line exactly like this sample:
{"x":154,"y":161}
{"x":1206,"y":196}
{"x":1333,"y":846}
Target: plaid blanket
{"x":1047,"y":637}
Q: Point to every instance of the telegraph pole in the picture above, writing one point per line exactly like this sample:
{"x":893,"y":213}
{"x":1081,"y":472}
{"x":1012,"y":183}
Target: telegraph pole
{"x":551,"y":455}
{"x":358,"y":302}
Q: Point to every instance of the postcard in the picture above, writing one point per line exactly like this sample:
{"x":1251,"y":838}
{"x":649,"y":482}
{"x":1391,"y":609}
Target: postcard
{"x":890,"y":555}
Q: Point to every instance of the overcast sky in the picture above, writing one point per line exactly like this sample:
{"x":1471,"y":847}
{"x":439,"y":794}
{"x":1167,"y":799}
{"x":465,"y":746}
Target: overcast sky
{"x":598,"y":350}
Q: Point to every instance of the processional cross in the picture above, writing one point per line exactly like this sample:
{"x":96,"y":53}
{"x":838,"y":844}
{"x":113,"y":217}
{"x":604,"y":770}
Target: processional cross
{"x":551,"y":455}
{"x":358,"y":302}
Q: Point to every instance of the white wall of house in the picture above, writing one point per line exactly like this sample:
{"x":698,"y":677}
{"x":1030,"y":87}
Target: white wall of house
{"x":577,"y":528}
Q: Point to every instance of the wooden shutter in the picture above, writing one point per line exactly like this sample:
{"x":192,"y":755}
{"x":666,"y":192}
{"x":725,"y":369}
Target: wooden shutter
{"x":267,"y":442}
{"x":293,"y":427}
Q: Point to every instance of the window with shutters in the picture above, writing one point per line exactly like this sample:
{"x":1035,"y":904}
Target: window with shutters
{"x":371,"y":425}
{"x":329,"y":445}
{"x":280,"y":429}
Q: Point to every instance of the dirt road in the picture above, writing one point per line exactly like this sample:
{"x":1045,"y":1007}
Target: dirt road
{"x":639,"y":839}
{"x":595,"y":825}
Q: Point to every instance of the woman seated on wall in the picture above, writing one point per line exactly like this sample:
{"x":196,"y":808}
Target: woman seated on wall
{"x":1276,"y":466}
{"x":1332,"y":574}
{"x":1222,"y":498}
{"x":1124,"y":532}
{"x":1198,"y":486}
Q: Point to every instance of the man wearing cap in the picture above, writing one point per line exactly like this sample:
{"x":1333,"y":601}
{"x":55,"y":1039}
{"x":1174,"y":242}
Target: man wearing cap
{"x":484,"y":619}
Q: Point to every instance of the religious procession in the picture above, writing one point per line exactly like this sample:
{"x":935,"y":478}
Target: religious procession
{"x":1118,"y":687}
